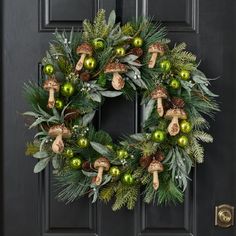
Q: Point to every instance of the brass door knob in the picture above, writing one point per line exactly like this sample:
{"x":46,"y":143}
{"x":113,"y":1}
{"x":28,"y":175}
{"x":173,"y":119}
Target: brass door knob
{"x":224,"y":216}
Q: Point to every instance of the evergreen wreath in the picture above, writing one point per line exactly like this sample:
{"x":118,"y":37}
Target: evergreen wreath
{"x":105,"y":60}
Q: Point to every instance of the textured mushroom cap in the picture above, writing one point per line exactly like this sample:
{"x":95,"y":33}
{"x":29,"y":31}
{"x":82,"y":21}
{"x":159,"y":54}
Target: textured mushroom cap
{"x":159,"y":156}
{"x":156,"y":47}
{"x":115,"y":67}
{"x":179,"y":113}
{"x":159,"y":92}
{"x":59,"y":129}
{"x":102,"y":162}
{"x":84,"y":48}
{"x":155,"y":166}
{"x":51,"y":83}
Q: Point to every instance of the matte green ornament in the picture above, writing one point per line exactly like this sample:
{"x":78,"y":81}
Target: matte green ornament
{"x":83,"y":142}
{"x":67,"y":89}
{"x":114,"y":171}
{"x":76,"y":163}
{"x":90,"y":63}
{"x":158,"y":136}
{"x":128,"y":179}
{"x":122,"y":154}
{"x":59,"y":104}
{"x":98,"y":44}
{"x":184,"y":74}
{"x":48,"y":69}
{"x":185,"y":126}
{"x":174,"y":84}
{"x":137,"y":42}
{"x":165,"y":65}
{"x":182,"y":141}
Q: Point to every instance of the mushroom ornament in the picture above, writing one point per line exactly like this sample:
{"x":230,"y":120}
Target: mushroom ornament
{"x":155,"y":49}
{"x":59,"y":132}
{"x":116,"y":68}
{"x":158,"y":94}
{"x":101,"y":164}
{"x":51,"y":85}
{"x":175,"y":114}
{"x":85,"y":50}
{"x":154,"y":168}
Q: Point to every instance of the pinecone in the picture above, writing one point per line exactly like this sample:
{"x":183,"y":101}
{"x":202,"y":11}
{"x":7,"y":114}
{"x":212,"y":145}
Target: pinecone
{"x":137,"y":52}
{"x":145,"y":161}
{"x":71,"y":114}
{"x":177,"y":102}
{"x":85,"y":76}
{"x":86,"y":166}
{"x":158,"y":156}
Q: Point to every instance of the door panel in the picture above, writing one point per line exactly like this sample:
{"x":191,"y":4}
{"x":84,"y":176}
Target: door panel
{"x":30,"y":209}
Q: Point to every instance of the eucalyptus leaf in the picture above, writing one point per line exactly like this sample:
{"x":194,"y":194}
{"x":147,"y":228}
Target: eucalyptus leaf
{"x":41,"y":165}
{"x":87,"y":118}
{"x":56,"y":162}
{"x":89,"y":174}
{"x":112,"y":19}
{"x":110,"y":94}
{"x":96,"y":97}
{"x":37,"y":122}
{"x":41,"y":154}
{"x":148,"y":109}
{"x":103,"y":150}
{"x":139,"y":137}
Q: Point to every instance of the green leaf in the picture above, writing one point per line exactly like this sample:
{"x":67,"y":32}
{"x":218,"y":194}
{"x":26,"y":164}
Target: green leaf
{"x":103,"y":150}
{"x":112,"y":19}
{"x":41,"y":165}
{"x":89,"y":174}
{"x":110,"y":94}
{"x":88,"y":118}
{"x":148,"y":109}
{"x":41,"y":154}
{"x":96,"y":97}
{"x":56,"y":162}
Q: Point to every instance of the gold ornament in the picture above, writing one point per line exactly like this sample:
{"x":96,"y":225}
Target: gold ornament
{"x":90,"y":63}
{"x":120,"y":51}
{"x":114,"y":171}
{"x":137,"y":42}
{"x":182,"y":141}
{"x":184,"y":74}
{"x":185,"y":126}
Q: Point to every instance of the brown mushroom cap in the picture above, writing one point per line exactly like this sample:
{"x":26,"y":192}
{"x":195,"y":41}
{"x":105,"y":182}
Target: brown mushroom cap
{"x":159,"y":92}
{"x":59,"y":129}
{"x":115,"y":67}
{"x":102,"y":162}
{"x":155,"y":166}
{"x":179,"y":113}
{"x":51,"y":83}
{"x":159,"y":156}
{"x":84,"y":48}
{"x":156,"y":47}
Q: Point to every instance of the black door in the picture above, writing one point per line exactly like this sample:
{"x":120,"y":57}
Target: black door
{"x":28,"y":205}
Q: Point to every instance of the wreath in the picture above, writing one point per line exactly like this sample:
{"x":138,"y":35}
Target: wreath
{"x":106,"y":60}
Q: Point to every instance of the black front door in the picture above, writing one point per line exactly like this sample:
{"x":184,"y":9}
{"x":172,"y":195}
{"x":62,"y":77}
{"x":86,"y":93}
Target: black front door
{"x":29,"y":208}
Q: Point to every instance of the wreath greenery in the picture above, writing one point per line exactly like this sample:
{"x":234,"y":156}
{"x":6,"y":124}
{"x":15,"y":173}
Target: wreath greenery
{"x":80,"y":70}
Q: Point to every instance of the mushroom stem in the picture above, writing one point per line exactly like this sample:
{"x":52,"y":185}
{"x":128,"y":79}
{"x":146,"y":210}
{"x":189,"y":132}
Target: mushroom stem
{"x":58,"y":145}
{"x":117,"y":81}
{"x":80,"y":63}
{"x":155,"y":181}
{"x":116,"y":76}
{"x":173,"y":127}
{"x":51,"y":98}
{"x":152,"y":61}
{"x":160,"y":109}
{"x":98,"y":180}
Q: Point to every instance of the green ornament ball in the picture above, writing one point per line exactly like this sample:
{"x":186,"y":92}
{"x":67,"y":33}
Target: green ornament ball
{"x":67,"y":89}
{"x":185,"y":126}
{"x":120,"y":51}
{"x":184,"y":74}
{"x":59,"y":104}
{"x":90,"y":63}
{"x":76,"y":163}
{"x":114,"y":171}
{"x":68,"y":152}
{"x":128,"y":179}
{"x":158,"y":136}
{"x":122,"y":154}
{"x":137,"y":42}
{"x":48,"y":69}
{"x":165,"y":65}
{"x":98,"y":44}
{"x":174,"y":84}
{"x":182,"y":141}
{"x":83,"y":142}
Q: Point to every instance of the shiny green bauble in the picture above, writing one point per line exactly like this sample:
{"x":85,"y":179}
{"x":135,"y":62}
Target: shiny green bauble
{"x":137,"y":42}
{"x":67,"y":89}
{"x":120,"y":51}
{"x":48,"y":69}
{"x":98,"y":44}
{"x":90,"y":63}
{"x":114,"y":171}
{"x":68,"y":152}
{"x":158,"y":136}
{"x":59,"y":104}
{"x":83,"y":142}
{"x":76,"y":163}
{"x":128,"y":179}
{"x":122,"y":154}
{"x":174,"y":84}
{"x":184,"y":74}
{"x":165,"y":65}
{"x":182,"y":141}
{"x":185,"y":126}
